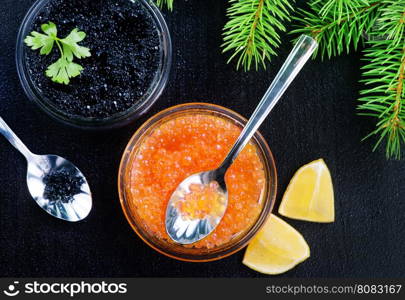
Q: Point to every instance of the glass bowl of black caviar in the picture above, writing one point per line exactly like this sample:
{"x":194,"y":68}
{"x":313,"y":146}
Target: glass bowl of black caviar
{"x":126,"y":73}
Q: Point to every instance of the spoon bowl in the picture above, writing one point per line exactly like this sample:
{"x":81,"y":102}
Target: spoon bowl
{"x":56,"y":184}
{"x":184,"y":229}
{"x":77,"y":207}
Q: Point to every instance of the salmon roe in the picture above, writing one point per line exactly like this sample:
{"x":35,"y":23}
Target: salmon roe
{"x":202,"y":200}
{"x":180,"y":147}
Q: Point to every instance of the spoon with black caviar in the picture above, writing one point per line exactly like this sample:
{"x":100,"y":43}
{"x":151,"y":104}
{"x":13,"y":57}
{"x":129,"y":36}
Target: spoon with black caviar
{"x":187,"y":227}
{"x":55,"y":183}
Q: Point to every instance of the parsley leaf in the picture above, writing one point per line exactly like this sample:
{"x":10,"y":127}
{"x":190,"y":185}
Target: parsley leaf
{"x":41,"y":41}
{"x":64,"y":68}
{"x":70,"y":46}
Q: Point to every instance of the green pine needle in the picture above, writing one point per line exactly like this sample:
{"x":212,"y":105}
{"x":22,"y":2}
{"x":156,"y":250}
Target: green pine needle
{"x":167,"y":3}
{"x":252,"y":32}
{"x":339,"y":9}
{"x":337,"y":25}
{"x":342,"y":25}
{"x":383,"y":96}
{"x":252,"y":36}
{"x":392,"y":21}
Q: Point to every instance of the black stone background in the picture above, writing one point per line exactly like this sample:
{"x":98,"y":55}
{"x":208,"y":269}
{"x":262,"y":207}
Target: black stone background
{"x":316,"y":118}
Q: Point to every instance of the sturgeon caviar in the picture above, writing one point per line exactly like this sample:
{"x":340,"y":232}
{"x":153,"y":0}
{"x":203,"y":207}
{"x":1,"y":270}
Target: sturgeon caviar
{"x":125,"y":53}
{"x":62,"y":185}
{"x":185,"y":145}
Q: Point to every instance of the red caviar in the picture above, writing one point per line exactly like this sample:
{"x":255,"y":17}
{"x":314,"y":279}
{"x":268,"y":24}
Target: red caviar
{"x":185,"y":145}
{"x":202,"y":200}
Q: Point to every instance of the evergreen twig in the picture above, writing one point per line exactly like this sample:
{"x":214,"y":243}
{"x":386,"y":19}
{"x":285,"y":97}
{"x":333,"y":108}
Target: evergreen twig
{"x":340,"y":25}
{"x":338,"y":9}
{"x":252,"y":32}
{"x":383,"y":96}
{"x":335,"y":29}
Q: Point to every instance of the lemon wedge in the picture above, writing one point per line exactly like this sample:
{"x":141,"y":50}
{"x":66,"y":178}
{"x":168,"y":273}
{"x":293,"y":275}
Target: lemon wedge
{"x":309,"y":196}
{"x":277,"y":248}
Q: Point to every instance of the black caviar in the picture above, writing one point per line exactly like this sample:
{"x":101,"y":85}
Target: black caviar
{"x":125,"y":47}
{"x":62,"y":185}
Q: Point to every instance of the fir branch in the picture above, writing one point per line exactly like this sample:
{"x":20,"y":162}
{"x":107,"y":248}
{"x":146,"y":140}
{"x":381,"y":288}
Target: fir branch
{"x":252,"y":32}
{"x":167,"y":3}
{"x":392,"y":21}
{"x":339,"y":9}
{"x":337,"y":29}
{"x":338,"y":26}
{"x":384,"y":95}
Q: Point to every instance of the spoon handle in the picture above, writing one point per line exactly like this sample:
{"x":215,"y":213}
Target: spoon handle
{"x":293,"y":64}
{"x":13,"y":139}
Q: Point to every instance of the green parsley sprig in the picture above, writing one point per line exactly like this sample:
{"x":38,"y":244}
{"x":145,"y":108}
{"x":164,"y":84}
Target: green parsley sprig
{"x":64,"y":68}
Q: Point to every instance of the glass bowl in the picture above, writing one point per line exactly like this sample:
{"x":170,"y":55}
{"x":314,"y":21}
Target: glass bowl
{"x":116,"y":120}
{"x":178,"y":251}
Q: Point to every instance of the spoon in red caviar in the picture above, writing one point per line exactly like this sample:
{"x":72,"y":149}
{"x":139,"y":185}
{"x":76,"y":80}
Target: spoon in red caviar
{"x":56,"y":185}
{"x":199,"y":202}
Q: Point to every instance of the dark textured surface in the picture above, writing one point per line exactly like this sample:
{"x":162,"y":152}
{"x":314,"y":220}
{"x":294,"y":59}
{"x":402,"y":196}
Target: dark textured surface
{"x":124,"y":45}
{"x":316,"y":118}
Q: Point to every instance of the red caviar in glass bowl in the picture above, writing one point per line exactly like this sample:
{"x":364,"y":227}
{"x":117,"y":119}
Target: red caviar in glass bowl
{"x":187,"y":139}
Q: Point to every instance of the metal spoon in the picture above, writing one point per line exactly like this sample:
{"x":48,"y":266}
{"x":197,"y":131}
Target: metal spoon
{"x":39,"y":166}
{"x":186,"y":229}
